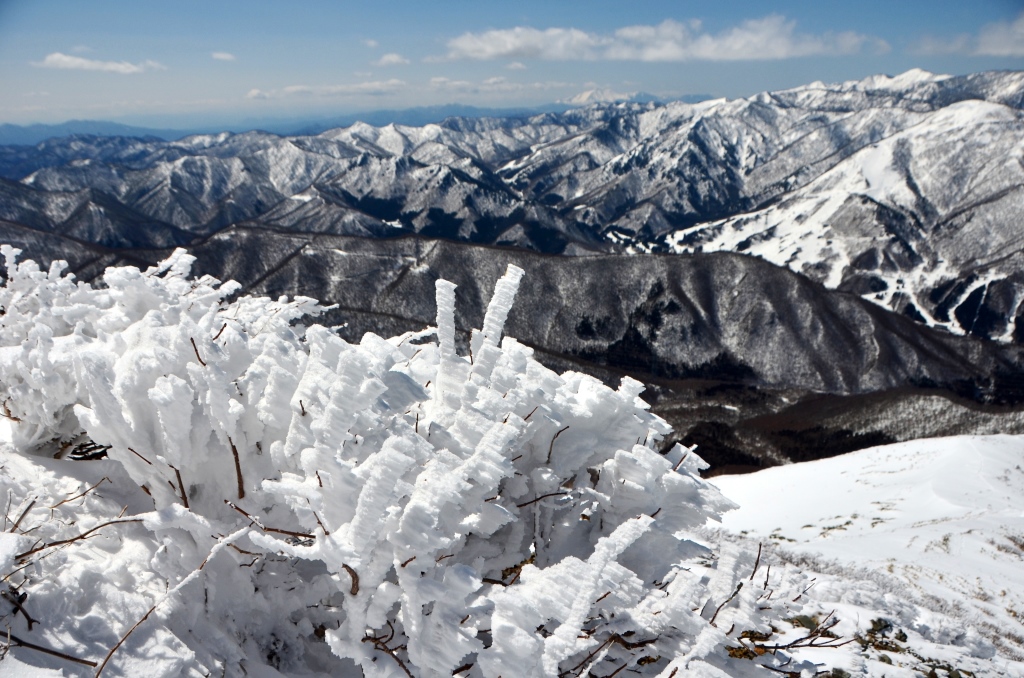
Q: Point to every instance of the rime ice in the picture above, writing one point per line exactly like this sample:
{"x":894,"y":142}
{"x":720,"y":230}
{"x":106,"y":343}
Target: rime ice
{"x":281,"y":500}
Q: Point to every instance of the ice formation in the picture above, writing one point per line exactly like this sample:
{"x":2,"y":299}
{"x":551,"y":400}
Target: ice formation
{"x":315,"y":507}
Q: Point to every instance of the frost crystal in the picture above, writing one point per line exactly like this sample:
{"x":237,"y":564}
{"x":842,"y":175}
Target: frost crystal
{"x":417,"y":511}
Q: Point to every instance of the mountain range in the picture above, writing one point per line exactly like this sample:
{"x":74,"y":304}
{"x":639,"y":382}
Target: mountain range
{"x":815,"y":250}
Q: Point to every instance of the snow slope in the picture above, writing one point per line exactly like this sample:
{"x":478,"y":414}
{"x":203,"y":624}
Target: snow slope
{"x":928,"y":535}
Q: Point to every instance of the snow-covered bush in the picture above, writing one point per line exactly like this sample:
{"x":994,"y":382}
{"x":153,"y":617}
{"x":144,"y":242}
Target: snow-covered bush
{"x":419,"y":512}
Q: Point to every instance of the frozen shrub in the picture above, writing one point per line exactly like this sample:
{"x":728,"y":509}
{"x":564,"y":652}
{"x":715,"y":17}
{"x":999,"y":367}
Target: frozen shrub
{"x":421,"y":512}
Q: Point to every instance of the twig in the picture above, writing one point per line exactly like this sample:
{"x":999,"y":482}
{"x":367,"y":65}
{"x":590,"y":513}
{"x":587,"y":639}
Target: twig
{"x":588,"y":657}
{"x":140,"y":456}
{"x":194,"y":348}
{"x":727,"y":601}
{"x":355,"y":579}
{"x":53,"y":653}
{"x":318,"y":521}
{"x":680,"y":462}
{"x":615,"y":638}
{"x":217,"y":336}
{"x":22,"y":516}
{"x":7,"y":413}
{"x":379,"y":644}
{"x":543,"y":496}
{"x":757,"y":562}
{"x":226,"y":541}
{"x":555,"y":437}
{"x":814,"y":634}
{"x":527,"y":417}
{"x":238,"y":470}
{"x":61,"y":542}
{"x":616,"y":671}
{"x":17,"y":601}
{"x":77,"y":496}
{"x":181,"y":487}
{"x":256,"y":521}
{"x":804,"y":591}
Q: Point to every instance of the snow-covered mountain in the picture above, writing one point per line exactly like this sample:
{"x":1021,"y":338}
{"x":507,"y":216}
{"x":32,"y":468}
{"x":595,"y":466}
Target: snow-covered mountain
{"x":905,"y":190}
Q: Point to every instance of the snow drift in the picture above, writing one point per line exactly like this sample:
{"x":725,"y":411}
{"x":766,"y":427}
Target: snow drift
{"x":416,"y":511}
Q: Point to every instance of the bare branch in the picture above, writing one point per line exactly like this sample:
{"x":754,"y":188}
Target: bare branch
{"x":53,"y":653}
{"x":238,"y":471}
{"x":85,"y":534}
{"x":551,"y":447}
{"x":77,"y":496}
{"x":194,"y":348}
{"x":256,"y":521}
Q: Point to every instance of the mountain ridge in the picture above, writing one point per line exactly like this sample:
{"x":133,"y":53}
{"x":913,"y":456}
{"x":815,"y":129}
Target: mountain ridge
{"x":896,"y":188}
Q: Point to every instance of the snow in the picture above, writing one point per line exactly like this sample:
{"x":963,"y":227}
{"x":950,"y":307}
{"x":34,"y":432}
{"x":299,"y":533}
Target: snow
{"x":928,"y":534}
{"x":809,"y":231}
{"x":276,"y":501}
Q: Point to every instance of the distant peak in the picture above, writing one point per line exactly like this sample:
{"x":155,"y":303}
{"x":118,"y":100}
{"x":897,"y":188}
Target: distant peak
{"x":608,"y":96}
{"x":904,"y":80}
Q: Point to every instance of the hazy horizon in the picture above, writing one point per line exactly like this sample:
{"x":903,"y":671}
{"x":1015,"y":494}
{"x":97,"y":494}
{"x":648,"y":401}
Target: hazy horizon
{"x":197,"y":64}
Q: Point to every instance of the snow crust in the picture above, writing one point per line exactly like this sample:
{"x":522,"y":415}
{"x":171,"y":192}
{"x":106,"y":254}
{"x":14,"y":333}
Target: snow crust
{"x":274,"y":500}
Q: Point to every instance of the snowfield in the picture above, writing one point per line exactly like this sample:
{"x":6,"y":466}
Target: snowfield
{"x":927,"y":535}
{"x":199,"y":483}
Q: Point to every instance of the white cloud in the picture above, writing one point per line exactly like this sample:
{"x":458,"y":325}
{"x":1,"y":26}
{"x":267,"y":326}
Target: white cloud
{"x":391,"y":59}
{"x":496,"y":85}
{"x":373,"y":88}
{"x":1002,"y":39}
{"x":223,"y":56}
{"x":371,"y":43}
{"x":65,"y":61}
{"x":773,"y":37}
{"x":932,"y":46}
{"x":516,"y":66}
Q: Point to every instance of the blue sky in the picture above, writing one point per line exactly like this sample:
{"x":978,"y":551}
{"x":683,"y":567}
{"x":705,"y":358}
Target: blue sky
{"x":222,"y":62}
